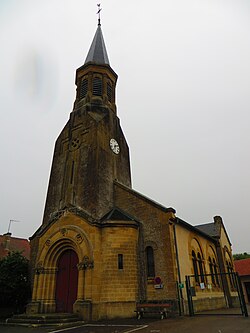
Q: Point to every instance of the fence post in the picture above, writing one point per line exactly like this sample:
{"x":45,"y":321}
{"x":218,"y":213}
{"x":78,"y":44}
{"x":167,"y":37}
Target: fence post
{"x":241,"y":295}
{"x":189,"y":297}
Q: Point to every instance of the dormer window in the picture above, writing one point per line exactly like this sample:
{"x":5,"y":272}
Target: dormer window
{"x":83,"y":88}
{"x":97,"y":86}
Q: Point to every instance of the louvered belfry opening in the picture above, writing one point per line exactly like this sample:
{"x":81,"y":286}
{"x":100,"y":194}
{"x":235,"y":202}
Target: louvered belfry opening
{"x":109,"y":92}
{"x":83,"y":88}
{"x":97,"y":86}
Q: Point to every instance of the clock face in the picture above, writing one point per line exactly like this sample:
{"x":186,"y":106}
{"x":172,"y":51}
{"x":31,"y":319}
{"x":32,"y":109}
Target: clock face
{"x":114,"y":146}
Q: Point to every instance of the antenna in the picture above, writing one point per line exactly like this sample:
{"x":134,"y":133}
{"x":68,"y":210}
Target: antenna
{"x":10,"y":224}
{"x":99,"y":13}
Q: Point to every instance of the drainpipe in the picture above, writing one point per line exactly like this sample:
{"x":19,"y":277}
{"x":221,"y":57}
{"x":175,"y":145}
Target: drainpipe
{"x":175,"y":221}
{"x":224,"y":280}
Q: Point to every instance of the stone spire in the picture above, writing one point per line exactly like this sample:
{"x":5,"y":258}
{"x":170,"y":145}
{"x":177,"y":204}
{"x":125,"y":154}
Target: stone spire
{"x":97,"y":53}
{"x":95,"y":79}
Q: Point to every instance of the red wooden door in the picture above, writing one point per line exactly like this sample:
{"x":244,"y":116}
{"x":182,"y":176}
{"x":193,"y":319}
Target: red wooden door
{"x":66,"y":281}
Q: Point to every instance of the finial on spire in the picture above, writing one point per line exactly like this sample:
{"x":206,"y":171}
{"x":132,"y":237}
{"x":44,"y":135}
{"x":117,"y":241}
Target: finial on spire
{"x":98,"y":12}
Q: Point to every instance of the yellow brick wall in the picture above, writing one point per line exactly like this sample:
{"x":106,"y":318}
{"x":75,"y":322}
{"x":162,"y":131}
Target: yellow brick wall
{"x":156,"y":230}
{"x":104,"y":285}
{"x":119,"y":284}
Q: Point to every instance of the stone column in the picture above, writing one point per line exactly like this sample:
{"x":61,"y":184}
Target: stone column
{"x":81,"y":306}
{"x":35,"y":305}
{"x":49,"y":302}
{"x":81,"y":282}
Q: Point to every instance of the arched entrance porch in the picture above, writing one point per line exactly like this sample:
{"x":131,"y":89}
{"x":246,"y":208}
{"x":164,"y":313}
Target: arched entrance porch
{"x":64,"y":263}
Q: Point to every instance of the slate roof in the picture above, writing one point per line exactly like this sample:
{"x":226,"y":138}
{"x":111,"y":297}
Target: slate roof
{"x":194,"y":228}
{"x":117,"y":214}
{"x":209,"y":229}
{"x":242,"y":266}
{"x":145,"y":198}
{"x":97,"y":52}
{"x":10,"y":244}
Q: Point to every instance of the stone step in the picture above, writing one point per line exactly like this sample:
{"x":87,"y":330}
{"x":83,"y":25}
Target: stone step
{"x":44,"y":319}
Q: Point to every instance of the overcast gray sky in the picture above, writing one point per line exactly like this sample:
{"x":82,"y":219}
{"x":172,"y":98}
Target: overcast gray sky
{"x":182,"y":95}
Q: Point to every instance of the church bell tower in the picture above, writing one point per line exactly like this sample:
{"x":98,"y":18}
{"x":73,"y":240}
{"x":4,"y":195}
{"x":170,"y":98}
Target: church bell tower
{"x":78,"y":252}
{"x":91,"y":151}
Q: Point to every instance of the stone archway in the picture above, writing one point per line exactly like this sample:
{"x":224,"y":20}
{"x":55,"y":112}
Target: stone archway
{"x":66,"y":281}
{"x":49,"y":283}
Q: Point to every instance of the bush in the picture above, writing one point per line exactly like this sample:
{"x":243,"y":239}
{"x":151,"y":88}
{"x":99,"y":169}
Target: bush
{"x":15,"y":288}
{"x":240,"y":256}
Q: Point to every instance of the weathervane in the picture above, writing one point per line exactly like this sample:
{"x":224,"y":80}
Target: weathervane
{"x":98,"y":12}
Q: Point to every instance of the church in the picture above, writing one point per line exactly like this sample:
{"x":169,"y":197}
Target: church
{"x":102,"y":246}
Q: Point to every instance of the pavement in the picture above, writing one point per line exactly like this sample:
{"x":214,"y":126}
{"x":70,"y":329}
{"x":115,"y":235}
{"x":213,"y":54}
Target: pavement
{"x":196,"y":324}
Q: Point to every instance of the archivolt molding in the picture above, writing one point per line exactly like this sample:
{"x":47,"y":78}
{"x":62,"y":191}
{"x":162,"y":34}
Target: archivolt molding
{"x":152,"y":244}
{"x":194,"y":244}
{"x":227,"y":254}
{"x":211,"y":252}
{"x":65,"y":238}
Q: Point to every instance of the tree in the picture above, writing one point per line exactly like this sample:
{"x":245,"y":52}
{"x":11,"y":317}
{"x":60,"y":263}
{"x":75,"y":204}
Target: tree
{"x":15,"y":287}
{"x":239,"y":256}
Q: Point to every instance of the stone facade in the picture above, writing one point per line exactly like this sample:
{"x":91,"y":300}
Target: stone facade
{"x":100,"y":282}
{"x":117,"y":246}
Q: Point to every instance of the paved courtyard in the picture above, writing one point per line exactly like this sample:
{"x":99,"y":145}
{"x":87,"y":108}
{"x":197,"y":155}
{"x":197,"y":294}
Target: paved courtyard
{"x":199,"y":324}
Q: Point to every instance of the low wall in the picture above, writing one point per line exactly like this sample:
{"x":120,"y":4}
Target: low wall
{"x":211,"y":303}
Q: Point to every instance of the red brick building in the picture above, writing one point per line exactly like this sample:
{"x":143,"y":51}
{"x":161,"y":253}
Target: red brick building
{"x":9,"y":244}
{"x":243,"y":269}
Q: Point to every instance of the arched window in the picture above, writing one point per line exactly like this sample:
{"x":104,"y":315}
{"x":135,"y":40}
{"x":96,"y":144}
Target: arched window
{"x":150,"y":262}
{"x":200,"y":263}
{"x":211,"y":268}
{"x":97,"y":86}
{"x":230,"y":273}
{"x":216,"y":272}
{"x":195,"y":267}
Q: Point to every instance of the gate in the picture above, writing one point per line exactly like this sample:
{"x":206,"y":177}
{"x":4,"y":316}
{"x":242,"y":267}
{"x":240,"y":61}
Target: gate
{"x":215,"y":294}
